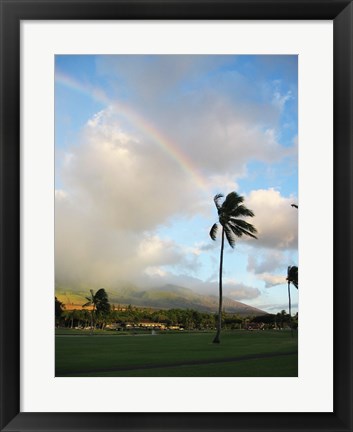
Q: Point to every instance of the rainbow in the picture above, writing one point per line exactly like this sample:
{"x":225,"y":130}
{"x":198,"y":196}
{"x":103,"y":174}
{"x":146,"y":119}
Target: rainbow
{"x":164,"y":142}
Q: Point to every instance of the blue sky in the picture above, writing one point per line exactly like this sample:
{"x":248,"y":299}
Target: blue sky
{"x":143,"y":143}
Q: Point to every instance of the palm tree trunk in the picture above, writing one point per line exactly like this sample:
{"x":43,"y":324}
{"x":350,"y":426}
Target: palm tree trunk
{"x":217,"y":338}
{"x":92,"y":321}
{"x":290,"y":308}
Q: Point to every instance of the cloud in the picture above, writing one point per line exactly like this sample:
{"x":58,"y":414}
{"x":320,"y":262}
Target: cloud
{"x":89,"y":253}
{"x":60,"y":194}
{"x":272,"y":280}
{"x":280,"y":99}
{"x":221,"y":136}
{"x":266,"y":261}
{"x":116,"y":191}
{"x":219,"y":117}
{"x":239,"y":291}
{"x":222,"y":182}
{"x":270,"y":266}
{"x":153,"y":250}
{"x":119,"y":177}
{"x":151,"y":77}
{"x":132,"y":171}
{"x":275,"y":220}
{"x":275,"y":308}
{"x":158,"y":277}
{"x":204,"y":247}
{"x":231,"y":288}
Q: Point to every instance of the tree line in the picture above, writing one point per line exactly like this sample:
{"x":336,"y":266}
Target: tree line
{"x":99,"y":317}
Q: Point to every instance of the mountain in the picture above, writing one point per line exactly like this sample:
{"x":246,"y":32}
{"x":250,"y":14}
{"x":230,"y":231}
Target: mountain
{"x":166,"y":297}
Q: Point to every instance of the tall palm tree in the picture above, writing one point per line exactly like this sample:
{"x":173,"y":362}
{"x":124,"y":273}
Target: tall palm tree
{"x":229,"y":214}
{"x":59,"y":309}
{"x":99,"y":302}
{"x":292,"y":277}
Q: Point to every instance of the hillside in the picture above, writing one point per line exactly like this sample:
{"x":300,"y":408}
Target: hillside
{"x":167,"y":297}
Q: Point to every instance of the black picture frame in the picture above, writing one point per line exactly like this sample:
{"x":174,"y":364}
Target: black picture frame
{"x":12,"y":12}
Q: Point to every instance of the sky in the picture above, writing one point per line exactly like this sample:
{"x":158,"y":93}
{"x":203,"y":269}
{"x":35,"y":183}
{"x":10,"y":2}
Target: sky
{"x":142,"y":145}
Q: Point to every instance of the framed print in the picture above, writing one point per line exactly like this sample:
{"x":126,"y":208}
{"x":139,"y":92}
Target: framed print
{"x":166,"y":171}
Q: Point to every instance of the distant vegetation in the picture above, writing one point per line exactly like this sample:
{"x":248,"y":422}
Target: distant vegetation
{"x":133,"y":318}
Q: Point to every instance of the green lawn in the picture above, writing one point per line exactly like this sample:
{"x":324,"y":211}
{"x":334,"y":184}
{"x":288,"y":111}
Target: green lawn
{"x":168,"y":354}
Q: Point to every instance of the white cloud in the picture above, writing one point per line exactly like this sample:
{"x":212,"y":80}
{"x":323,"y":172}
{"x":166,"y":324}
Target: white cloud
{"x":120,"y":190}
{"x":222,"y":182}
{"x":128,"y":184}
{"x":270,"y":266}
{"x":239,"y":291}
{"x":218,"y":120}
{"x":223,"y":138}
{"x":272,"y":280}
{"x":153,"y":251}
{"x":266,"y":261}
{"x":279,"y":99}
{"x":96,"y":119}
{"x":155,"y":271}
{"x":275,"y":220}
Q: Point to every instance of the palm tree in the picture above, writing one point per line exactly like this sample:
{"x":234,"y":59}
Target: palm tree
{"x":292,"y":277}
{"x":59,"y":309}
{"x":99,"y":303}
{"x":229,"y":213}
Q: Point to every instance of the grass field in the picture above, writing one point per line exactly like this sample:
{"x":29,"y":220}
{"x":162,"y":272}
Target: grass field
{"x":241,"y":353}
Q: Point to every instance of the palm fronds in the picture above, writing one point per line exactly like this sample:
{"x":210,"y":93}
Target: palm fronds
{"x":213,"y":231}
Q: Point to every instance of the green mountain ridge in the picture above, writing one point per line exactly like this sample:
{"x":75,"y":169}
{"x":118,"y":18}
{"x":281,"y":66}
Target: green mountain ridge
{"x":166,"y":297}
